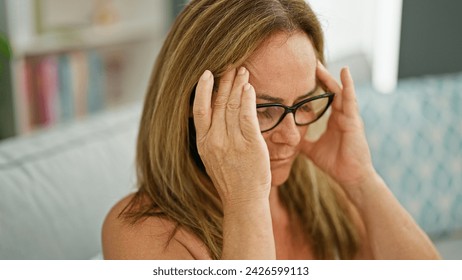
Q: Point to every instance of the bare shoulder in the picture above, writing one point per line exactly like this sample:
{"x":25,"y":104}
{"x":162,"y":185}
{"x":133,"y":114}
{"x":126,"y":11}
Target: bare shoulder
{"x":150,"y":238}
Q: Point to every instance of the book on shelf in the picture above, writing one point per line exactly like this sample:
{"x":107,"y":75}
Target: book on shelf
{"x":47,"y":90}
{"x":22,"y":102}
{"x":66,"y":101}
{"x":65,"y":86}
{"x":79,"y":70}
{"x":96,"y":89}
{"x":114,"y":65}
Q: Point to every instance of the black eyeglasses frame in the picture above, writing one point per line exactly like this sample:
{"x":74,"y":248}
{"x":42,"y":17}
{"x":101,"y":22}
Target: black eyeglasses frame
{"x":292,"y":109}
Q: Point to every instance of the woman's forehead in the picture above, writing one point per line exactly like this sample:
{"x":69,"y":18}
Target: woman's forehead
{"x":284,"y":66}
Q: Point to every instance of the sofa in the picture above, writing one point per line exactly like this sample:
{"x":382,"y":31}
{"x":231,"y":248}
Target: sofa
{"x":415,"y":136}
{"x":57,"y":185}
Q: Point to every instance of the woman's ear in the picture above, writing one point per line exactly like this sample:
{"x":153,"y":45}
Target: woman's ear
{"x":191,"y":101}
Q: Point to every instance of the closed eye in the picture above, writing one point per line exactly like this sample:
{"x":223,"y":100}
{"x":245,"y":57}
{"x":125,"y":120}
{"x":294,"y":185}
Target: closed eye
{"x":265,"y":112}
{"x":307,"y":107}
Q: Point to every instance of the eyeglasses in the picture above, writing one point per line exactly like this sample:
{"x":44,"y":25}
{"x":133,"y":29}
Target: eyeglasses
{"x":305,"y":112}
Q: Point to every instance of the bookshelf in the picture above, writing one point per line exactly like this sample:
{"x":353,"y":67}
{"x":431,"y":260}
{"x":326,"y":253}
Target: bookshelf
{"x":71,"y":59}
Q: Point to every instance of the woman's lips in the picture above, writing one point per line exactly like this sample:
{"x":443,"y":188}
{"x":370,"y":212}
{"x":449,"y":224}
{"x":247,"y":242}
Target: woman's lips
{"x":281,"y":159}
{"x":285,"y":158}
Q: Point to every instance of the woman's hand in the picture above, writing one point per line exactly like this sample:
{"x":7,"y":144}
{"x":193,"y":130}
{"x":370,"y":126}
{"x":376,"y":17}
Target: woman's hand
{"x":342,"y":151}
{"x":229,"y":140}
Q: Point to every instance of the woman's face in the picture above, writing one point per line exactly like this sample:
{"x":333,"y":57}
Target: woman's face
{"x":283,"y":70}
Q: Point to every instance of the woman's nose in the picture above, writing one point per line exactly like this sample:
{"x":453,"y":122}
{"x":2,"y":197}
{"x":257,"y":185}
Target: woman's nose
{"x":287,"y":132}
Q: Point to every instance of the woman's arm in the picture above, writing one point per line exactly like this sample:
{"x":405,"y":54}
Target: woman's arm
{"x":343,"y":153}
{"x":237,"y":160}
{"x":225,"y":139}
{"x":391,"y":232}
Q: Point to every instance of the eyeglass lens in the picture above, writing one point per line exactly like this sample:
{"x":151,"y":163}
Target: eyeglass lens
{"x":268,"y":117}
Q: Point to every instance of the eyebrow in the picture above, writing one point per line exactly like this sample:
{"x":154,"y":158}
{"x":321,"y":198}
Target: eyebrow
{"x":273,"y":99}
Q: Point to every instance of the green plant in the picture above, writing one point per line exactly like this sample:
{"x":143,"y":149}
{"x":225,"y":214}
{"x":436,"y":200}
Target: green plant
{"x":5,"y":50}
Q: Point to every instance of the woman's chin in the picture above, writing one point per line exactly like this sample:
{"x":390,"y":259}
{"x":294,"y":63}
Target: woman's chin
{"x":279,"y":175}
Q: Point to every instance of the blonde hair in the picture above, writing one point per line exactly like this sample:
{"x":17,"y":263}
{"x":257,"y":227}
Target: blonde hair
{"x":214,"y":35}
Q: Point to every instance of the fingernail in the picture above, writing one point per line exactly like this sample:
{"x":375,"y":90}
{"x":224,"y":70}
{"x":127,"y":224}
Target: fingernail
{"x":241,"y":71}
{"x":206,"y":75}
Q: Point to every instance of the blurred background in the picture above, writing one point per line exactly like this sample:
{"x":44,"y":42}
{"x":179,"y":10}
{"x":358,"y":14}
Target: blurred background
{"x":69,"y":59}
{"x":405,"y":57}
{"x":74,"y":58}
{"x":74,"y":73}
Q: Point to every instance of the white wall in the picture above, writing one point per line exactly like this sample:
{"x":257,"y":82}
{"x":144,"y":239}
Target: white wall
{"x":348,"y":26}
{"x":364,"y":34}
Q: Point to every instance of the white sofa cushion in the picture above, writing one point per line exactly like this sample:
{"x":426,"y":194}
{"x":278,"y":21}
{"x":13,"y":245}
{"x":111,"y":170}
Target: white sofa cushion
{"x":56,"y":186}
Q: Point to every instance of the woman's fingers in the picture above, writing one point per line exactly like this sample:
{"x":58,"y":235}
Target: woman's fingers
{"x":248,"y":113}
{"x":202,"y":109}
{"x":233,"y":106}
{"x":326,"y":78}
{"x":222,"y":96}
{"x":350,"y":106}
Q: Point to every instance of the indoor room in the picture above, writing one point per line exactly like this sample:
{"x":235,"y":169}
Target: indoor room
{"x":74,"y":76}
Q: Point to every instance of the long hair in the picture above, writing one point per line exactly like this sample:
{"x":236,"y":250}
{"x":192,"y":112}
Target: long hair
{"x":214,"y":35}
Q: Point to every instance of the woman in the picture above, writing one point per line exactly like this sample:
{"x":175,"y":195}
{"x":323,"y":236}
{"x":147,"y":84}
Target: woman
{"x":219,"y":179}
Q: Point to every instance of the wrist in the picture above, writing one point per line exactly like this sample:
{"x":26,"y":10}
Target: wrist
{"x":246,"y":206}
{"x":362,"y":190}
{"x":248,"y":196}
{"x":247,"y":230}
